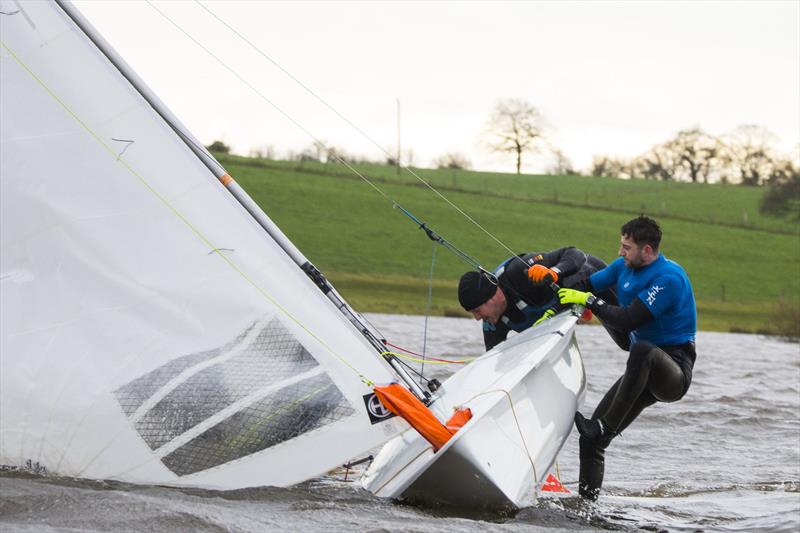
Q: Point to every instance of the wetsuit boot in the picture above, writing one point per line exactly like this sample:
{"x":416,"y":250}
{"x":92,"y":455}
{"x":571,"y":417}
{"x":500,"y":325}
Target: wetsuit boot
{"x":592,"y":469}
{"x":594,"y":430}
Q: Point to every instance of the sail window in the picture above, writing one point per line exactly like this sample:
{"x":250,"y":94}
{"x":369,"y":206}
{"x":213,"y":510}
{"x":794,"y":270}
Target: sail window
{"x":135,"y":393}
{"x":264,"y":366}
{"x":283,"y":415}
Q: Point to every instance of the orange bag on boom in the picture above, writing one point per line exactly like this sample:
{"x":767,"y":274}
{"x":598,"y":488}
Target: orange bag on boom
{"x":404,"y":404}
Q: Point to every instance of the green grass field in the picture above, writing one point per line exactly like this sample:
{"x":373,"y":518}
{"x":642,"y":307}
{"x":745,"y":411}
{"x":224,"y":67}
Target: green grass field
{"x":380,"y":260}
{"x":683,"y":201}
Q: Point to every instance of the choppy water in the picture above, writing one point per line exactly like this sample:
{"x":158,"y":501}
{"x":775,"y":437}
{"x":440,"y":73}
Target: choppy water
{"x":725,"y":458}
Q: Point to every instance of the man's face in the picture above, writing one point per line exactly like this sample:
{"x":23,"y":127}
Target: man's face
{"x":492,"y":309}
{"x":632,"y":253}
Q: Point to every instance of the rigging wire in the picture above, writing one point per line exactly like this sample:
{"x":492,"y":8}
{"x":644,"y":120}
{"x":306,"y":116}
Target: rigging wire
{"x":319,"y":143}
{"x":428,"y":309}
{"x":359,"y":130}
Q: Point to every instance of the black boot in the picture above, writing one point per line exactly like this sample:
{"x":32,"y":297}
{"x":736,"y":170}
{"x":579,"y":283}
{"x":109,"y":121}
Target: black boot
{"x":590,"y":477}
{"x":593,"y":430}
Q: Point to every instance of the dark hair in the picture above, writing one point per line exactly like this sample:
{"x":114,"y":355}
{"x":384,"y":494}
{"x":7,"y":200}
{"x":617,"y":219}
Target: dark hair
{"x":643,"y":230}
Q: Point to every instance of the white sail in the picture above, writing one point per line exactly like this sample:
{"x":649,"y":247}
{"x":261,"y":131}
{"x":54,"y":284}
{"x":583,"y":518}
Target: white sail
{"x":150,"y":330}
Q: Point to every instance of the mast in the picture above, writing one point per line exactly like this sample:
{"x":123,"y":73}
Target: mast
{"x":239,"y":194}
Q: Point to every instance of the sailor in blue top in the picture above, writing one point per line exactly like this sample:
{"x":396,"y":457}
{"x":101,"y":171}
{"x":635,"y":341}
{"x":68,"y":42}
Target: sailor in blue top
{"x":657,"y":310}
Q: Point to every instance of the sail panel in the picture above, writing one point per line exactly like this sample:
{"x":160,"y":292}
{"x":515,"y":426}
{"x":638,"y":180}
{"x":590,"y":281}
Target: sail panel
{"x":125,"y":267}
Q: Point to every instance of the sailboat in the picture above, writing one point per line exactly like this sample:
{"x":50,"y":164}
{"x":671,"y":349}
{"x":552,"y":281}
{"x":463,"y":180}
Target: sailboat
{"x":157,"y":327}
{"x":522,"y":395}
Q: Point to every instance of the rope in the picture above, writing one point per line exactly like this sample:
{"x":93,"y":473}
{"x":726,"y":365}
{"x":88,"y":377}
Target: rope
{"x":409,"y":367}
{"x":428,"y":309}
{"x":516,"y":421}
{"x":429,"y":360}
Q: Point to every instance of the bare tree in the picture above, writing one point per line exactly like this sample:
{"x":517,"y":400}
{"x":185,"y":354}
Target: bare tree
{"x":750,"y":154}
{"x":516,"y":127}
{"x":659,"y":163}
{"x":453,"y":160}
{"x":562,"y":166}
{"x":695,"y":152}
{"x":609,"y":167}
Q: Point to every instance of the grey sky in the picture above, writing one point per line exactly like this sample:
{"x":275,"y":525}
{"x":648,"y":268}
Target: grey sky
{"x":610,"y":77}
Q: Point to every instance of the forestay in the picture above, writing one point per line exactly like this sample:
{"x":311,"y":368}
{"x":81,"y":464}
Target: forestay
{"x":150,"y":330}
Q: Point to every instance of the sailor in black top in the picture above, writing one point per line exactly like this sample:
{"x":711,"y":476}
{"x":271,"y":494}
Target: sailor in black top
{"x":523,"y":295}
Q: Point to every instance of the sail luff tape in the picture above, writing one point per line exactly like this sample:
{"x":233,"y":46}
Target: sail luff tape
{"x":226,"y":179}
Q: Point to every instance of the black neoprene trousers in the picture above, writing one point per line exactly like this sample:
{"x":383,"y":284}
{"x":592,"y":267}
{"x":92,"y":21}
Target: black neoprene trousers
{"x":651,"y":375}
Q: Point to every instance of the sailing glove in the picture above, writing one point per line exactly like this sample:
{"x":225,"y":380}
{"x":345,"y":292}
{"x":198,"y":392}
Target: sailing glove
{"x":547,"y":315}
{"x":571,"y":296}
{"x":540,"y":275}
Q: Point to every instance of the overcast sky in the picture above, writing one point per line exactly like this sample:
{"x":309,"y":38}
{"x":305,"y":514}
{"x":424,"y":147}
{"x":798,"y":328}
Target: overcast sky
{"x":610,"y":77}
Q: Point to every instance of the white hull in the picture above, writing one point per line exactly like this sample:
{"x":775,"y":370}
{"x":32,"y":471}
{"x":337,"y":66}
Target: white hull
{"x":523,"y":395}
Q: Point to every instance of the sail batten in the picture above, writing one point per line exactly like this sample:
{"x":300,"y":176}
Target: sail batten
{"x":141,"y":305}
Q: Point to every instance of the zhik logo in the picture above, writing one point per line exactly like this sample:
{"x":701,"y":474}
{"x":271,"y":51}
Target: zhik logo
{"x":651,"y":294}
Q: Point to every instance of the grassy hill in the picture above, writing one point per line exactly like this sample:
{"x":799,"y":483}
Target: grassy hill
{"x":743,"y":265}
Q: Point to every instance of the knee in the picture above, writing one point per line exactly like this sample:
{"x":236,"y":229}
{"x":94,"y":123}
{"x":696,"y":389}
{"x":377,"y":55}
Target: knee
{"x":640,"y":354}
{"x":641,"y":348}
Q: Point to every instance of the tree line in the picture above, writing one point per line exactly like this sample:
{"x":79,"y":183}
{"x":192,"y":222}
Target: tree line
{"x":745,"y":156}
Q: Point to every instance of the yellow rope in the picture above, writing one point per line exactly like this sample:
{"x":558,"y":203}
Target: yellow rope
{"x":428,"y":361}
{"x":519,"y":427}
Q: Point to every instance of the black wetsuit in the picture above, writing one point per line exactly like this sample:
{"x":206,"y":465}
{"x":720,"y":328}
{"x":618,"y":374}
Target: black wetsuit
{"x":660,"y":306}
{"x":528,"y":302}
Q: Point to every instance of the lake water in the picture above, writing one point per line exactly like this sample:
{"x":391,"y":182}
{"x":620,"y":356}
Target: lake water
{"x":725,"y":458}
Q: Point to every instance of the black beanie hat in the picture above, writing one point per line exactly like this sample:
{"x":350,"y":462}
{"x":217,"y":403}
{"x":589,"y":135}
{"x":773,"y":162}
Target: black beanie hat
{"x":474,"y":290}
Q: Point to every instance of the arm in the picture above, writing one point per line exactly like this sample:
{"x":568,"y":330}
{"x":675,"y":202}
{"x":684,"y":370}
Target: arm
{"x":565,"y":261}
{"x":555,"y":266}
{"x":624,"y":319}
{"x":650,"y":303}
{"x":605,"y":278}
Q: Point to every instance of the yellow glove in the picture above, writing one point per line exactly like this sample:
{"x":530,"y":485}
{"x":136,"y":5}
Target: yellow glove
{"x":571,"y":296}
{"x":547,"y":315}
{"x":539,"y":275}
